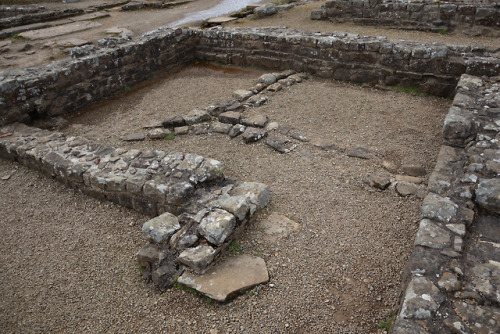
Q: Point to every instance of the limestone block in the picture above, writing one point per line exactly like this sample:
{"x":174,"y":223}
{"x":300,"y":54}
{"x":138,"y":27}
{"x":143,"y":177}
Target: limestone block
{"x":431,"y":235}
{"x":488,"y":195}
{"x":217,"y":226}
{"x":197,"y":258}
{"x":422,"y":299}
{"x":438,"y":208}
{"x":161,"y":228}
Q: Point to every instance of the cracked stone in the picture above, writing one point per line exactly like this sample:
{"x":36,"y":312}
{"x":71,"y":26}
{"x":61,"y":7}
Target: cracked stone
{"x":161,"y":228}
{"x":449,"y":282}
{"x":253,"y":134}
{"x":378,"y":181}
{"x":431,"y":235}
{"x":197,"y":116}
{"x":197,"y":258}
{"x":422,"y":299}
{"x":217,"y":226}
{"x":438,"y":208}
{"x":488,"y":195}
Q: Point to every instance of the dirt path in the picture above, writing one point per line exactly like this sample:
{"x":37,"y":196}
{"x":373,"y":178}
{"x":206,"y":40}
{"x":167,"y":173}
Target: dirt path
{"x":70,"y":267}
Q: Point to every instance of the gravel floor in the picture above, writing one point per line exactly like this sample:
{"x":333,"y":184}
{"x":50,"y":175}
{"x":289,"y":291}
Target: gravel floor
{"x":70,"y":265}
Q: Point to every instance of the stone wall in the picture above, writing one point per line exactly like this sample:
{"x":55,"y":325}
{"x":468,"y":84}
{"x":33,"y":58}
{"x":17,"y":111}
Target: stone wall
{"x":14,"y":10}
{"x":69,"y":84}
{"x":38,"y":16}
{"x":200,"y":212}
{"x":471,"y":17}
{"x":453,"y":283}
{"x":74,"y":82}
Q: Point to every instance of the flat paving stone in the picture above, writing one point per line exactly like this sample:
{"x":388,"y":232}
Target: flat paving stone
{"x":235,"y":274}
{"x":59,"y":30}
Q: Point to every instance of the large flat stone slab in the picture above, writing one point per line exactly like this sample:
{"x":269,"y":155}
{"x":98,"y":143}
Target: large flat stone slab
{"x":234,"y":275}
{"x":59,"y":30}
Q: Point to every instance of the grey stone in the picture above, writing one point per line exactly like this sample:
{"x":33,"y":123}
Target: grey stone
{"x":479,"y":319}
{"x":242,"y":94}
{"x":197,"y":258}
{"x":236,"y":130}
{"x":406,"y":188}
{"x":360,"y":152}
{"x":257,"y":120}
{"x":449,"y":282}
{"x":161,"y":228}
{"x":265,"y":10}
{"x":488,"y":195}
{"x":209,"y":170}
{"x":272,"y":126}
{"x":200,"y":129}
{"x":422,"y":299}
{"x":253,"y":134}
{"x":267,"y":79}
{"x":299,"y":136}
{"x":164,"y":276}
{"x":281,"y":145}
{"x":181,"y":130}
{"x":234,"y":275}
{"x":237,"y":205}
{"x":158,"y":133}
{"x":277,"y":226}
{"x":457,"y":228}
{"x":438,"y":208}
{"x":323,"y":144}
{"x":231,"y":117}
{"x":486,"y":280}
{"x":134,"y":137}
{"x":148,"y":254}
{"x":404,"y":326}
{"x":275,"y":87}
{"x":217,"y":226}
{"x":257,"y":100}
{"x":219,"y":127}
{"x":174,"y":121}
{"x":378,"y":181}
{"x":186,"y":241}
{"x":413,"y":170}
{"x":457,"y":125}
{"x":197,"y":116}
{"x":410,"y":179}
{"x":431,"y":235}
{"x":258,"y":194}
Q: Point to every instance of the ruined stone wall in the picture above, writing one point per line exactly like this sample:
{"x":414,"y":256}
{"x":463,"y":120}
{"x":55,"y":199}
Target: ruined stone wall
{"x":9,"y":11}
{"x":74,"y":82}
{"x":482,"y":17}
{"x":38,"y":16}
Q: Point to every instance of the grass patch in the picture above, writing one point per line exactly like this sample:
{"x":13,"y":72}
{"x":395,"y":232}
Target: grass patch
{"x":413,"y":90}
{"x":182,"y":287}
{"x":386,"y":325}
{"x":127,"y":89}
{"x":443,"y":31}
{"x":234,"y":247}
{"x":170,"y":136}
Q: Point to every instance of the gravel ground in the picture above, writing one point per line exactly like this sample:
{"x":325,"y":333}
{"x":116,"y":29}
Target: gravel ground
{"x":70,"y":265}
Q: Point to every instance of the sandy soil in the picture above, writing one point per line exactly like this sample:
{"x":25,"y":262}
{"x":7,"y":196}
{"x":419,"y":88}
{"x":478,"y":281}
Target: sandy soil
{"x":70,"y":267}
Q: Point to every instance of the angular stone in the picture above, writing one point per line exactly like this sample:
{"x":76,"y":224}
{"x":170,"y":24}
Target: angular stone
{"x":181,"y":130}
{"x":209,"y":170}
{"x":165,"y":275}
{"x":197,"y":116}
{"x":190,"y":162}
{"x":425,"y":261}
{"x":161,"y":228}
{"x":431,"y":235}
{"x":457,"y":125}
{"x":449,"y":282}
{"x":217,"y":226}
{"x":267,"y":79}
{"x":488,"y":195}
{"x":438,"y":208}
{"x":253,"y":134}
{"x":186,"y":241}
{"x":479,"y":319}
{"x":406,"y":188}
{"x":197,"y":258}
{"x":404,"y":326}
{"x":275,"y":87}
{"x":378,"y":181}
{"x":219,"y":127}
{"x":134,"y":137}
{"x":360,"y":152}
{"x":236,"y":130}
{"x":299,"y":136}
{"x":422,"y":299}
{"x":174,"y":121}
{"x":158,"y":133}
{"x":409,"y":179}
{"x":277,"y":226}
{"x":242,"y":94}
{"x":148,"y":254}
{"x":237,"y":205}
{"x":258,"y":120}
{"x":234,"y":275}
{"x":231,"y":117}
{"x":457,"y":228}
{"x":413,"y":170}
{"x":281,"y":145}
{"x":265,"y":10}
{"x":323,"y":144}
{"x":486,"y":280}
{"x":258,"y":194}
{"x":257,"y":100}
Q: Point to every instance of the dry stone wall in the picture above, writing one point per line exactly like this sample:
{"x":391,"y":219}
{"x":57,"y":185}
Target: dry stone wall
{"x":469,"y":17}
{"x":200,"y":212}
{"x":111,"y":67}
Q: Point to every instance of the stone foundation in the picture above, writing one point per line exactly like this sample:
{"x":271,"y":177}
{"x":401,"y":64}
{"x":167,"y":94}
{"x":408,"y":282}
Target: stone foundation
{"x":468,"y":17}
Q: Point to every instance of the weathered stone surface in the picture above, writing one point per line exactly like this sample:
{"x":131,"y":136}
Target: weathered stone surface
{"x":431,"y":235}
{"x":258,"y":194}
{"x":457,"y":228}
{"x":413,"y":170}
{"x":360,"y":152}
{"x":406,"y":188}
{"x":59,"y":30}
{"x":221,"y":19}
{"x":237,"y":205}
{"x":134,"y":137}
{"x":219,"y":127}
{"x":488,"y":195}
{"x":158,"y":133}
{"x":275,"y":87}
{"x":197,"y":258}
{"x":378,"y":181}
{"x":449,"y":282}
{"x":174,"y":121}
{"x":409,"y":179}
{"x":236,"y":130}
{"x":265,"y":10}
{"x":422,"y":299}
{"x":242,"y":94}
{"x":197,"y":116}
{"x":281,"y":145}
{"x":148,"y":255}
{"x":404,"y":326}
{"x":257,"y":100}
{"x":457,"y":126}
{"x":479,"y":319}
{"x":277,"y":226}
{"x":231,"y":117}
{"x":165,"y":275}
{"x":267,"y":79}
{"x":486,"y":280}
{"x":257,"y":120}
{"x":181,"y":130}
{"x":438,"y":208}
{"x":253,"y":134}
{"x":234,"y":275}
{"x":161,"y":228}
{"x":299,"y":136}
{"x":217,"y":226}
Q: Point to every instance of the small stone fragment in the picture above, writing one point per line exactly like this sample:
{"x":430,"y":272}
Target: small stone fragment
{"x":281,"y":145}
{"x":413,"y":170}
{"x":197,"y":116}
{"x":438,"y":208}
{"x":449,"y":282}
{"x":158,"y":133}
{"x":267,"y":79}
{"x":174,"y":121}
{"x":253,"y":134}
{"x":197,"y":258}
{"x":134,"y":137}
{"x":257,"y":100}
{"x":410,"y":179}
{"x":217,"y":226}
{"x":275,"y":87}
{"x":258,"y":120}
{"x":236,"y":130}
{"x":299,"y":136}
{"x":182,"y":130}
{"x":406,"y":188}
{"x":242,"y":94}
{"x":219,"y":127}
{"x":161,"y":228}
{"x":377,"y":181}
{"x":360,"y":152}
{"x":164,"y":276}
{"x":231,"y":117}
{"x":148,"y":254}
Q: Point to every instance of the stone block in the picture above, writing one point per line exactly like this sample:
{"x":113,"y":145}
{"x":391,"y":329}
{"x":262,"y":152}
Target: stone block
{"x":217,"y":226}
{"x":197,"y":258}
{"x":161,"y":228}
{"x":488,"y":195}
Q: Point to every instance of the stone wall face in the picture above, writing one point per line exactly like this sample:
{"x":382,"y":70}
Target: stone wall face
{"x":29,"y":17}
{"x":74,"y":82}
{"x":426,"y":15}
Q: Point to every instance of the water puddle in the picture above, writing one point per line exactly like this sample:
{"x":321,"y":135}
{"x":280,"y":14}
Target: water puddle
{"x":224,"y":7}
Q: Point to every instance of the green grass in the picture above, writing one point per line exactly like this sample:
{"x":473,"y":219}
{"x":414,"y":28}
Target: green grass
{"x":442,"y":31}
{"x":411,"y":90}
{"x":182,"y":287}
{"x":127,"y":89}
{"x":170,"y":136}
{"x":234,"y":247}
{"x":386,"y":325}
